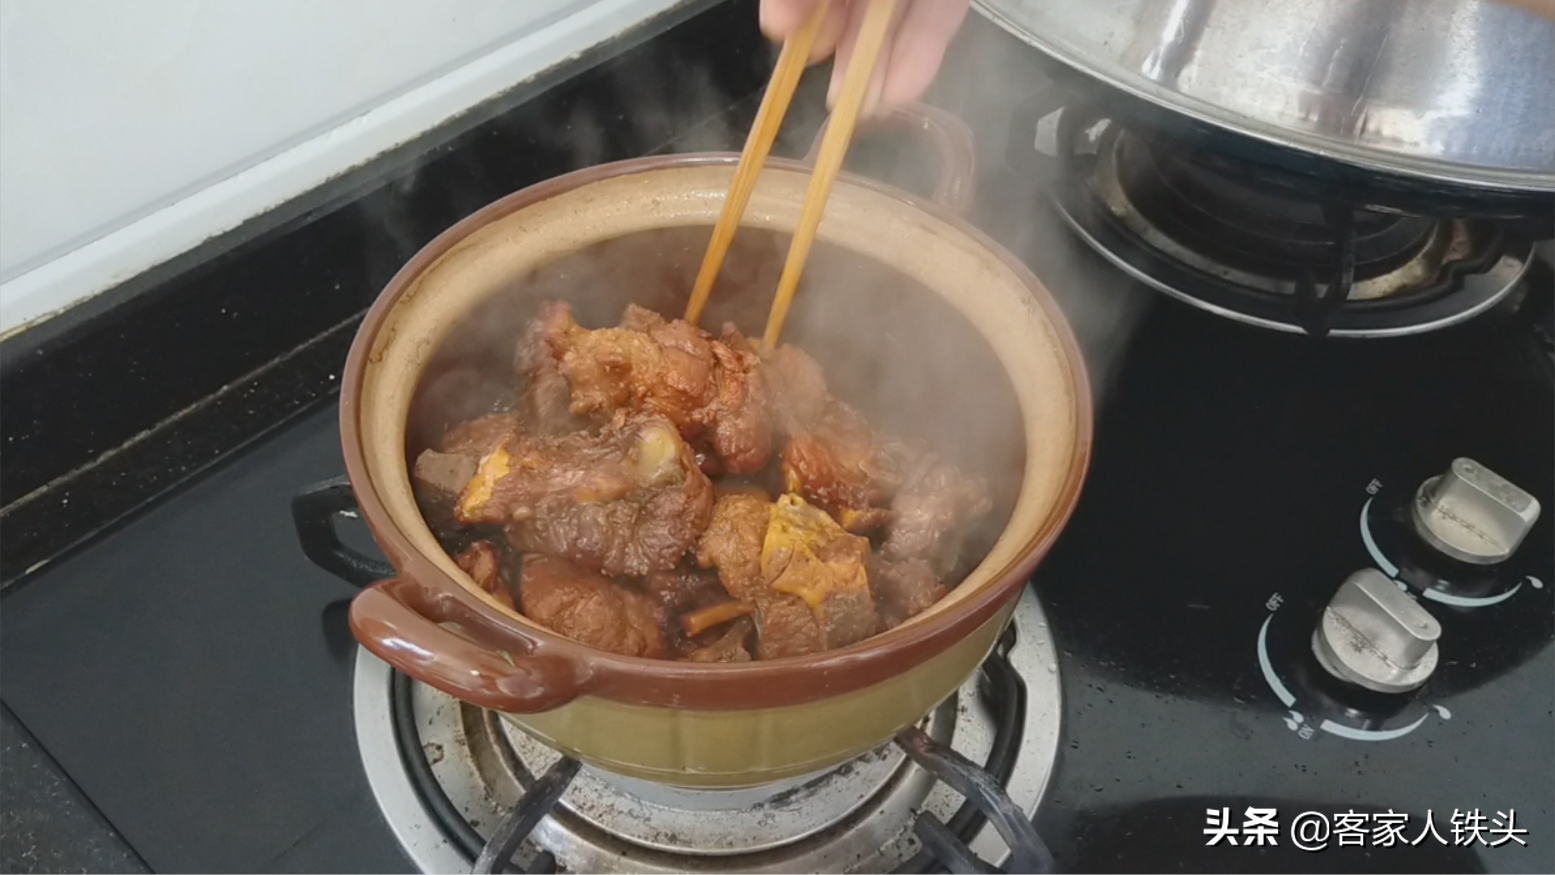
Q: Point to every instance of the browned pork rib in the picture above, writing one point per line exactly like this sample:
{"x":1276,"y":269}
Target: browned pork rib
{"x":710,"y":388}
{"x":803,"y":574}
{"x":903,"y":589}
{"x":830,"y":455}
{"x":684,"y":589}
{"x":867,"y":480}
{"x":931,"y":513}
{"x":546,"y":401}
{"x":441,"y":472}
{"x":626,"y":501}
{"x":590,"y":608}
{"x":483,"y":563}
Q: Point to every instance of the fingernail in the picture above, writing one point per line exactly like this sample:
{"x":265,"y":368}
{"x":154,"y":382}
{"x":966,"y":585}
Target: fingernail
{"x":834,"y":88}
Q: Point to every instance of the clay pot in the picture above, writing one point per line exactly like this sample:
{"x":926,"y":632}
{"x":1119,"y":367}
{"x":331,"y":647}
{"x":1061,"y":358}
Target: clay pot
{"x":920,"y":320}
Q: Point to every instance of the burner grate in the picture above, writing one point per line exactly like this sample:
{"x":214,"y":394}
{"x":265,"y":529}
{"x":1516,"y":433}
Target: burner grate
{"x":1256,"y":223}
{"x":532,"y":807}
{"x":945,"y":844}
{"x":1028,"y":853}
{"x":1258,"y":245}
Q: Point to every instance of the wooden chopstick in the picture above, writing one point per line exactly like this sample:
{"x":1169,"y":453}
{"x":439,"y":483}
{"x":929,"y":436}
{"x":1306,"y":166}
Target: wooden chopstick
{"x":758,"y":144}
{"x":828,"y":163}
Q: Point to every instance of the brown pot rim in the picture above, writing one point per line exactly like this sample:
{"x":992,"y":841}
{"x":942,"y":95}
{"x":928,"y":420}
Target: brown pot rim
{"x":707,"y":686}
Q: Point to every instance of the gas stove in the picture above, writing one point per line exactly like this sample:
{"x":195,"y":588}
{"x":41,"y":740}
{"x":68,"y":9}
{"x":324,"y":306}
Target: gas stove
{"x":454,"y":780}
{"x":1321,"y":599}
{"x":1301,"y":620}
{"x":1317,"y":614}
{"x":1309,"y":577}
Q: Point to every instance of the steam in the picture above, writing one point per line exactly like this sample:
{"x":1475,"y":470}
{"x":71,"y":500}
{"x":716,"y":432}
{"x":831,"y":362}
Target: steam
{"x":988,"y":74}
{"x":884,"y":346}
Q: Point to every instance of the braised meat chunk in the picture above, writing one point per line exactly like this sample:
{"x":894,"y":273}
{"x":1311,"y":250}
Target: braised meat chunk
{"x":732,"y":544}
{"x":741,"y":411}
{"x":441,"y":473}
{"x":803,"y":575}
{"x":684,"y":589}
{"x":932,"y":511}
{"x":832,"y":457}
{"x":785,"y":625}
{"x":728,"y":647}
{"x":625,"y":501}
{"x":484,"y":565}
{"x":808,"y":555}
{"x":843,"y":469}
{"x":547,"y":402}
{"x":797,"y":386}
{"x":903,"y":590}
{"x":438,"y":479}
{"x":635,"y":476}
{"x":479,"y":436}
{"x":710,"y":389}
{"x":590,"y":608}
{"x":865,"y":479}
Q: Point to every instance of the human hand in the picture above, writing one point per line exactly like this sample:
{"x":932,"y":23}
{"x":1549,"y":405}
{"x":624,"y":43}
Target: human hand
{"x":1544,"y":8}
{"x":921,"y":30}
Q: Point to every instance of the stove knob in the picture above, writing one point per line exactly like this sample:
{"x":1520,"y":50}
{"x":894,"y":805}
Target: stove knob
{"x":1472,"y":514}
{"x":1373,"y":635}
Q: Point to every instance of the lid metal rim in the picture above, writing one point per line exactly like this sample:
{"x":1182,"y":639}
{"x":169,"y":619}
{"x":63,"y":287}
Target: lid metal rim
{"x":1415,"y":167}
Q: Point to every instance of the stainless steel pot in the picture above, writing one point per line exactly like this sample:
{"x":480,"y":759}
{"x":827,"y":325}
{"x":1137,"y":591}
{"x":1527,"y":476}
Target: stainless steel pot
{"x":1451,"y":92}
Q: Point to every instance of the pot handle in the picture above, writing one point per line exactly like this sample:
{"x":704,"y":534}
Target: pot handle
{"x":950,"y":137}
{"x":401,"y":622}
{"x":313,"y":514}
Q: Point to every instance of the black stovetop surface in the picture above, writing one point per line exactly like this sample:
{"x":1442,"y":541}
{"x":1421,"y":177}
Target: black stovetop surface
{"x":186,"y":676}
{"x":1231,"y":471}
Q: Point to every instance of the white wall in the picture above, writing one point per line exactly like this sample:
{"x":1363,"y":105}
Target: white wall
{"x":132,"y":130}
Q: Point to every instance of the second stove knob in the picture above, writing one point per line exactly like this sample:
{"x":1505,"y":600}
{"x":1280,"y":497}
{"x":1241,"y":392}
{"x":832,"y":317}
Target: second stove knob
{"x":1472,"y":514}
{"x":1373,"y":635}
